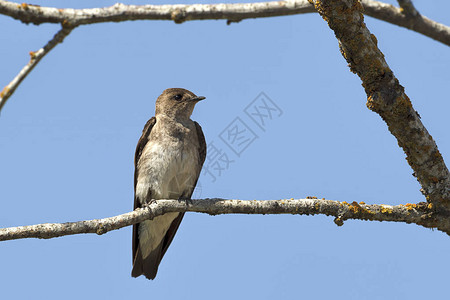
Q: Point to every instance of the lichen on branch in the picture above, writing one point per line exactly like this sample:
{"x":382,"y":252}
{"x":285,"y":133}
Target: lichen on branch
{"x":421,"y":214}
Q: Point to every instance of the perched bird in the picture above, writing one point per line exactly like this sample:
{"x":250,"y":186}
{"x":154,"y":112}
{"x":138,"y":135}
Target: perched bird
{"x":168,"y":160}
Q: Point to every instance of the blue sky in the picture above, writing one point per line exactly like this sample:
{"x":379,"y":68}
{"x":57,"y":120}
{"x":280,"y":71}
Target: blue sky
{"x":68,"y":135}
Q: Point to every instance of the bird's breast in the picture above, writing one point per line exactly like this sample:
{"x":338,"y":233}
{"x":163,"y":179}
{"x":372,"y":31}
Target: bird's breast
{"x":167,"y":169}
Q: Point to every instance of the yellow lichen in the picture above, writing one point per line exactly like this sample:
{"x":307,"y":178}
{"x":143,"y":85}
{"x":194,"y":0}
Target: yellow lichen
{"x":410,"y":206}
{"x":354,"y":207}
{"x":65,"y":23}
{"x":338,"y":221}
{"x":386,"y":209}
{"x":4,"y":92}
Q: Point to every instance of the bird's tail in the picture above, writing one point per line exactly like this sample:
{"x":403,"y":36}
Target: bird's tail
{"x":148,"y":266}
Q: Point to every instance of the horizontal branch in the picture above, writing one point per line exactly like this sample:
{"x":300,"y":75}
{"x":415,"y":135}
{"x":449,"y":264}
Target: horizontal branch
{"x":176,"y":12}
{"x":233,"y":12}
{"x":35,"y":58}
{"x":422,"y":214}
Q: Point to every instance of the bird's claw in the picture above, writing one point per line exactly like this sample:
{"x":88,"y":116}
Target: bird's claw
{"x":187,"y":200}
{"x":150,"y":202}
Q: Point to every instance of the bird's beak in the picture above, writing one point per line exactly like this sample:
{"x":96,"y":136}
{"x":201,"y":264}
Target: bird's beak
{"x":196,"y":99}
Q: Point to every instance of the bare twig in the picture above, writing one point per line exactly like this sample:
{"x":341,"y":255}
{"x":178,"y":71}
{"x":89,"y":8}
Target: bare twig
{"x":34,"y":60}
{"x":386,"y":96}
{"x":234,"y":12}
{"x":176,"y":12}
{"x":395,"y":15}
{"x":408,"y":8}
{"x":421,"y":214}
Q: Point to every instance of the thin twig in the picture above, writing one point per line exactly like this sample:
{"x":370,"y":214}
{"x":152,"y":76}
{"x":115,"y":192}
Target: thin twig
{"x":408,"y":8}
{"x":421,"y":214}
{"x":395,"y":15}
{"x":34,"y":60}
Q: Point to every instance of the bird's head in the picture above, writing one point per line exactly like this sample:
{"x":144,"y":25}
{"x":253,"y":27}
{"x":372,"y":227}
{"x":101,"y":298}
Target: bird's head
{"x":177,"y":103}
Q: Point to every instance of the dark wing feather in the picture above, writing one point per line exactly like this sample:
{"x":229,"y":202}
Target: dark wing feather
{"x":202,"y":148}
{"x":170,"y":234}
{"x":139,"y":148}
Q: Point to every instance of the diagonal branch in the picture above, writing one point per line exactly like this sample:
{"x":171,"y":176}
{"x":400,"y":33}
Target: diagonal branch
{"x":421,"y":214}
{"x":233,"y":12}
{"x":387,"y":97}
{"x":34,"y":60}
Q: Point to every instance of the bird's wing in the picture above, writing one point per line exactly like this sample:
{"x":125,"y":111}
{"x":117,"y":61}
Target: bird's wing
{"x":176,"y":223}
{"x":202,"y":147}
{"x":139,"y":148}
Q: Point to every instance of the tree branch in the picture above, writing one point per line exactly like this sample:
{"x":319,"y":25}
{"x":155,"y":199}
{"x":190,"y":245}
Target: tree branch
{"x":386,"y":97}
{"x":175,"y":12}
{"x":408,"y":8}
{"x":422,"y":214}
{"x":235,"y":12}
{"x":34,"y":60}
{"x":402,"y":17}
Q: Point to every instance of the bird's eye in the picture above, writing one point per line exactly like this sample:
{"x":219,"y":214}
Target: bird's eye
{"x":177,"y":97}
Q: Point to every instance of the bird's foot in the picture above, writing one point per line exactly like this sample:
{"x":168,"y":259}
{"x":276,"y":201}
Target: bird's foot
{"x":150,"y":202}
{"x":187,"y":200}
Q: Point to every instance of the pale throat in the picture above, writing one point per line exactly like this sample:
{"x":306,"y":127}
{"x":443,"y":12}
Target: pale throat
{"x":168,"y":123}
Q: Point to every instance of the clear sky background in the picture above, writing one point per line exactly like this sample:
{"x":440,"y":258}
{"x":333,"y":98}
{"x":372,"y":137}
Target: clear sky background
{"x":68,"y":135}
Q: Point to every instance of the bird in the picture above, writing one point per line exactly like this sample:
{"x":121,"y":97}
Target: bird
{"x":168,"y":160}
